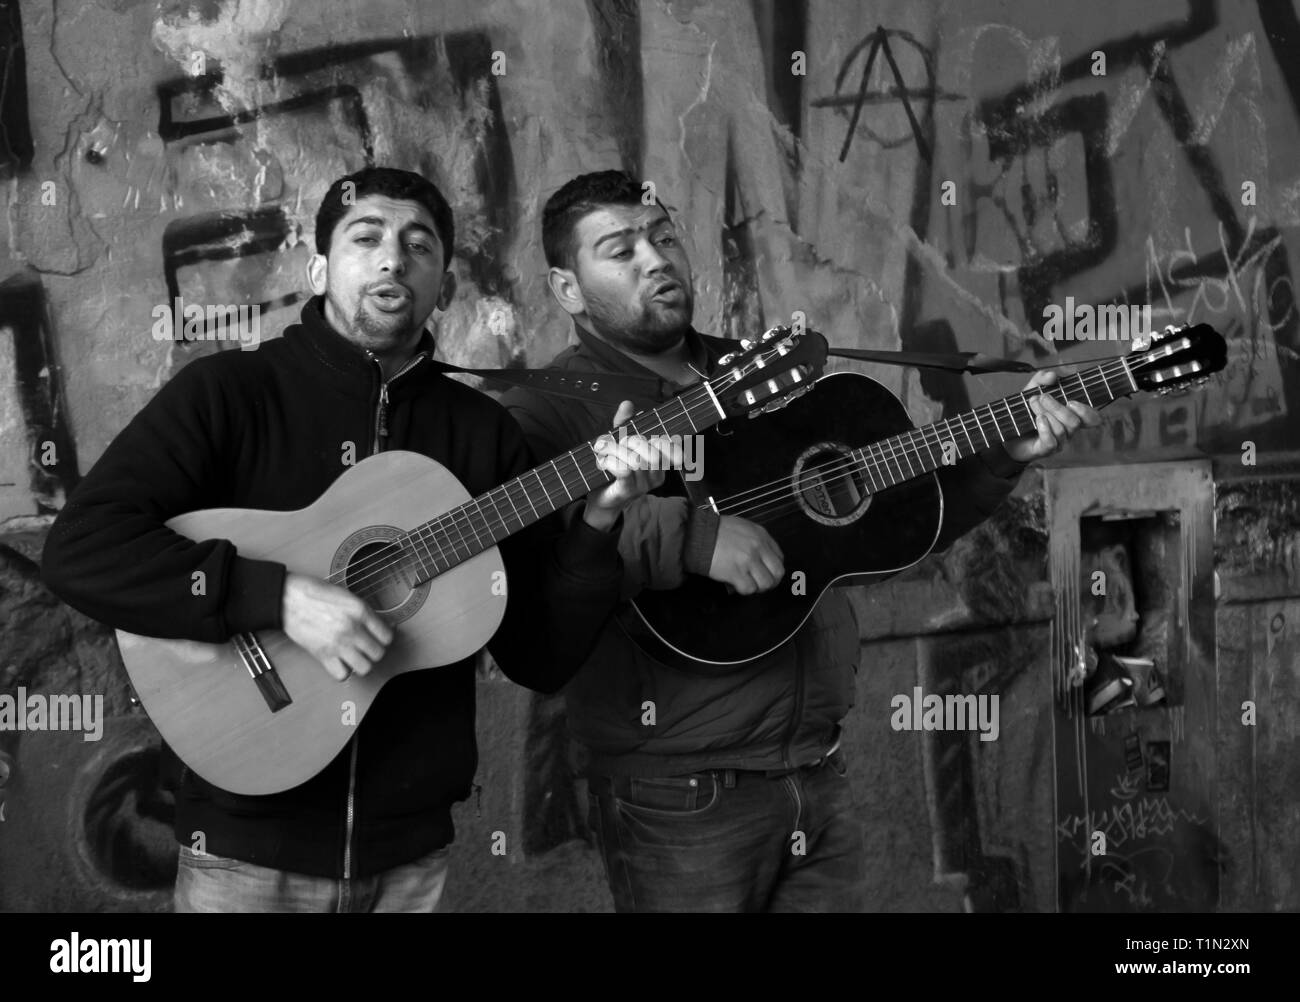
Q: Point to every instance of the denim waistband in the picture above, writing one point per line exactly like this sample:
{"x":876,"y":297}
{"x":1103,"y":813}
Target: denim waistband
{"x":727,"y":777}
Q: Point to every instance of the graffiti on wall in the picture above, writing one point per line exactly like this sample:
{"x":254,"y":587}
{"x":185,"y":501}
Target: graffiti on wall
{"x":16,"y":148}
{"x":38,"y":464}
{"x":1058,"y":189}
{"x":1143,"y":183}
{"x":338,"y":96}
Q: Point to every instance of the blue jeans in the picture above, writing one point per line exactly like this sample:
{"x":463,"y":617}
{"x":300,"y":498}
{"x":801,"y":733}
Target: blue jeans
{"x":208,"y":883}
{"x":731,"y":841}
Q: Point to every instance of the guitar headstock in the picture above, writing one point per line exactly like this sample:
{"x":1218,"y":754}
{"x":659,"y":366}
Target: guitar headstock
{"x":766,"y":374}
{"x":1177,"y":358}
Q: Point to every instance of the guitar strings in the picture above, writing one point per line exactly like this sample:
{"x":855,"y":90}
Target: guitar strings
{"x":371,"y":567}
{"x":460,"y":521}
{"x":363,"y":577}
{"x":784,"y":500}
{"x":459,"y":518}
{"x":754,"y":499}
{"x":368,"y":577}
{"x":904,"y":444}
{"x":872,"y":454}
{"x":363,"y":581}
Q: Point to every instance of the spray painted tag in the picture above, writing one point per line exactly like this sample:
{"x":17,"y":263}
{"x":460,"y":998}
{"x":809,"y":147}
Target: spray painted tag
{"x":1158,"y":766}
{"x":1133,"y":753}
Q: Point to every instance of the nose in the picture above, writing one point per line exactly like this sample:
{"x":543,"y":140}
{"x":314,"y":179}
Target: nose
{"x":392,"y":258}
{"x":653,"y":260}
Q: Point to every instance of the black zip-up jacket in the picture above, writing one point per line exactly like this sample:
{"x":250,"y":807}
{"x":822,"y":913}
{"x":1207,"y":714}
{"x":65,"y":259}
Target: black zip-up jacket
{"x":783,"y":710}
{"x":270,"y":429}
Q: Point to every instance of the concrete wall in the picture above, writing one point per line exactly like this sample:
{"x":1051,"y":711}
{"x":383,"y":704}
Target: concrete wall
{"x":151,"y":151}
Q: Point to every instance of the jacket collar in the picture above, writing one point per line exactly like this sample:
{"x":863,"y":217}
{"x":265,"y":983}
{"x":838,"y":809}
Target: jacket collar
{"x":703,"y":354}
{"x":346,"y":366}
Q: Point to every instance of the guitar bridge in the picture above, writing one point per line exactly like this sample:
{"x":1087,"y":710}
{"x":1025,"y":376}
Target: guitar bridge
{"x":264,"y":675}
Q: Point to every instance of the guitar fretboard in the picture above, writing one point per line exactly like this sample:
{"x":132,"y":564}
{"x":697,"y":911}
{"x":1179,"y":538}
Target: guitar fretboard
{"x":450,"y":539}
{"x":457,"y":535}
{"x":896,"y":460}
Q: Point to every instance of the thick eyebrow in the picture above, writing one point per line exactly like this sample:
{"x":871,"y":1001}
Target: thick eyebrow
{"x":377,"y":221}
{"x":613,"y":236}
{"x":627,"y":229}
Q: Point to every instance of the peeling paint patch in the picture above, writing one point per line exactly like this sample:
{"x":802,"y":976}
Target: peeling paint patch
{"x":496,"y":317}
{"x":238,"y":37}
{"x":1258,"y":530}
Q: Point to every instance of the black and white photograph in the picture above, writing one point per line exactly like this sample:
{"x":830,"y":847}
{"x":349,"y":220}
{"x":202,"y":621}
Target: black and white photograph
{"x":570,"y":457}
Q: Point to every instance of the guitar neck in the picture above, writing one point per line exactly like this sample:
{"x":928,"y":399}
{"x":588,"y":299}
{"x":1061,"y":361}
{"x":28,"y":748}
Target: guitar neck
{"x":452,"y":538}
{"x":912,"y":454}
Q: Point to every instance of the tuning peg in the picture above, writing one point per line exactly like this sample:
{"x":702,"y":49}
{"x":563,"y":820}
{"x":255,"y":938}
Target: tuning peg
{"x":727,"y":359}
{"x":746,"y":344}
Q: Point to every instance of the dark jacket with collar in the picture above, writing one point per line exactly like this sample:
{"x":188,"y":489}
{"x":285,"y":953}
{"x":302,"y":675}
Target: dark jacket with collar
{"x":779,"y":712}
{"x":272,"y":429}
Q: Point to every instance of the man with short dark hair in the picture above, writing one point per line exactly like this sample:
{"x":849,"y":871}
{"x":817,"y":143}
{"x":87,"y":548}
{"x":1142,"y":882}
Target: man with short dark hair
{"x":698,"y":810}
{"x":272,"y":429}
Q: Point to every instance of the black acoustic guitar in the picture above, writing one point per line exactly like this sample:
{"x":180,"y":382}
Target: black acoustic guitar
{"x":846,"y":486}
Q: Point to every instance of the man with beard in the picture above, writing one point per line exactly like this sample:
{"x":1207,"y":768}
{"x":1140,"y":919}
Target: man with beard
{"x":272,"y":429}
{"x":697,"y":810}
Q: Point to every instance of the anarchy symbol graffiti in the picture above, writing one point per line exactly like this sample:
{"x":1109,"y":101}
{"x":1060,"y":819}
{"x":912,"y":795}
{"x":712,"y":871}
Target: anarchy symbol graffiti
{"x":874,"y":44}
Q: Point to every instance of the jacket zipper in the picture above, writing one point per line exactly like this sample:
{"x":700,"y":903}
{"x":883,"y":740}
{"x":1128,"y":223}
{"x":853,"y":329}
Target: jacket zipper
{"x":376,"y":446}
{"x":352,"y":789}
{"x":381,"y":420}
{"x":381,"y":411}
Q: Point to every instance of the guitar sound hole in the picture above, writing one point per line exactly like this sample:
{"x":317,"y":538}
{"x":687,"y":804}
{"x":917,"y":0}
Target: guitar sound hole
{"x":830,"y":485}
{"x":375,"y":573}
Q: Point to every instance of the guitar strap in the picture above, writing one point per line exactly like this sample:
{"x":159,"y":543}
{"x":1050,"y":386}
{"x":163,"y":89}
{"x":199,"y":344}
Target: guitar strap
{"x":613,"y":388}
{"x":961,"y":361}
{"x":597,"y":387}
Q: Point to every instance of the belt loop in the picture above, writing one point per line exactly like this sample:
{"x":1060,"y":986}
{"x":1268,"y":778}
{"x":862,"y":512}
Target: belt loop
{"x":728,"y":779}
